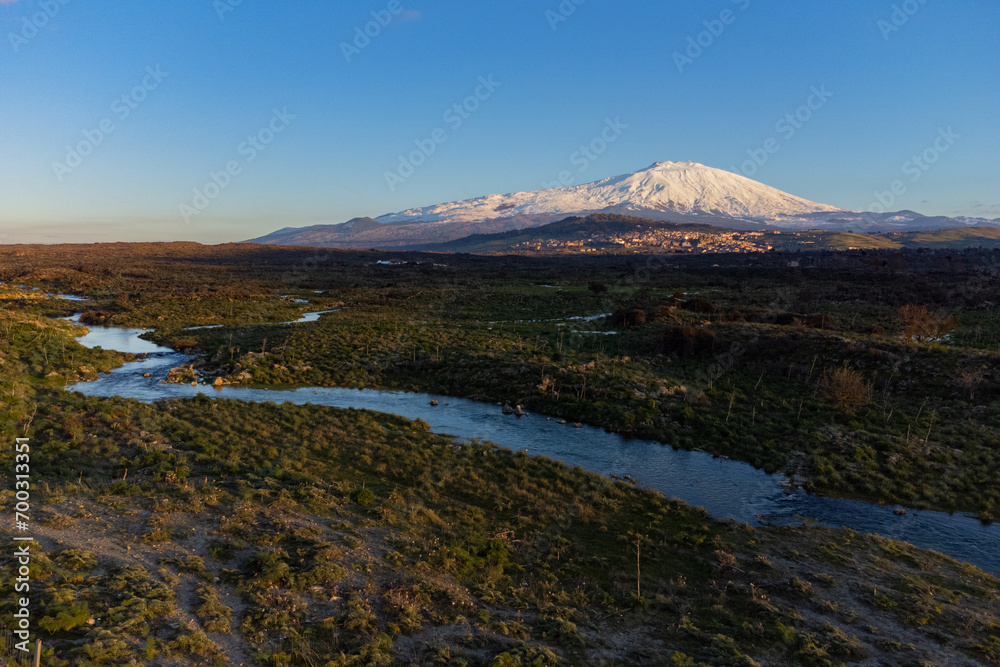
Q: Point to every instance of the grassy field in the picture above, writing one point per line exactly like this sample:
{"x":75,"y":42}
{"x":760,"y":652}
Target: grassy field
{"x":744,"y":359}
{"x":216,"y":532}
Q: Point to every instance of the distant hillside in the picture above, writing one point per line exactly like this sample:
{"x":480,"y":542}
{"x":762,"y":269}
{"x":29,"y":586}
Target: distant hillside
{"x":570,"y":229}
{"x":320,"y":235}
{"x":367,"y":233}
{"x":606,"y":233}
{"x":616,"y":234}
{"x":612,"y":234}
{"x":967,"y":237}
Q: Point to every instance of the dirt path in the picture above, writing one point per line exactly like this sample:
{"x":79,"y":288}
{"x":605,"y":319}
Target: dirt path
{"x":115,"y":541}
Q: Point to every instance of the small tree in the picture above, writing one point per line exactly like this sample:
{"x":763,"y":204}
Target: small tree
{"x":628,"y":317}
{"x":847,"y":388}
{"x":968,"y":380}
{"x":919,"y":325}
{"x":687,"y":341}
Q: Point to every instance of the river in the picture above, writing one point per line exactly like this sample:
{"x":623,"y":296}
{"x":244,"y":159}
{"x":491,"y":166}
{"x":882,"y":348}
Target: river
{"x":727,"y":489}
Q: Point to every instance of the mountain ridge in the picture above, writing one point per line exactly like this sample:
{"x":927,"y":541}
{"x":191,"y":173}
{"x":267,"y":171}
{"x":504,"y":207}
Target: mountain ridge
{"x":678,"y":192}
{"x":669,"y":187}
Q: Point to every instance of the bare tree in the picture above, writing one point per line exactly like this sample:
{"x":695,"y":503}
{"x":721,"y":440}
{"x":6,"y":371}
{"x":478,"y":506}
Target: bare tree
{"x":969,"y":380}
{"x":637,"y":540}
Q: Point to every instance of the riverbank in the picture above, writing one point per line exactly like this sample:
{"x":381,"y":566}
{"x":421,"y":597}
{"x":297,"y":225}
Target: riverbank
{"x":726,"y":489}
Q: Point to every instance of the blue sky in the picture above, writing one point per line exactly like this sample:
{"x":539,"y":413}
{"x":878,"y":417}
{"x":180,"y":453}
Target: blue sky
{"x":201,"y":77}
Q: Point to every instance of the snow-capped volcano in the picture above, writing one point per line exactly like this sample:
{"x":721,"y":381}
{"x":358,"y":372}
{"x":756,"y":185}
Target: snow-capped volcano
{"x":676,"y":192}
{"x":663,"y":188}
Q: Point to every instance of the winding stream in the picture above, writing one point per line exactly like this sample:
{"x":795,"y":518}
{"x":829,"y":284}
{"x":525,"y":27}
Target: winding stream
{"x":727,"y":489}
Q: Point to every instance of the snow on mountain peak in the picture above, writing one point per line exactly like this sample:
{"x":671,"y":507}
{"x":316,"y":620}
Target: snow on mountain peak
{"x":664,"y":187}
